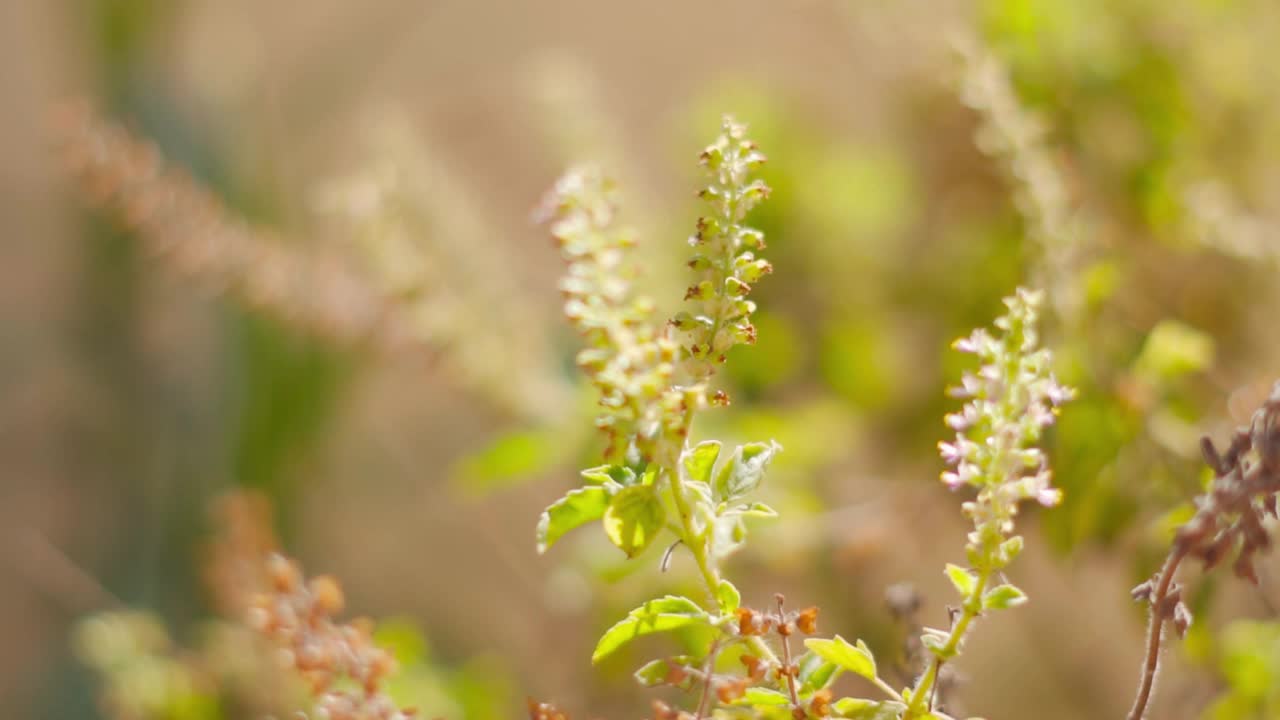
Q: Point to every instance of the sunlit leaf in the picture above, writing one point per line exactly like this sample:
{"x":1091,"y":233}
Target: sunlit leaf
{"x":854,"y":658}
{"x":659,"y":672}
{"x":863,"y":709}
{"x":609,"y":474}
{"x":698,"y":461}
{"x":744,"y":471}
{"x":763,"y":697}
{"x":815,"y":672}
{"x":634,"y":518}
{"x":728,"y":597}
{"x":728,"y":533}
{"x":962,"y":579}
{"x":1004,"y":596}
{"x":758,"y":509}
{"x":666,"y":613}
{"x":578,"y":507}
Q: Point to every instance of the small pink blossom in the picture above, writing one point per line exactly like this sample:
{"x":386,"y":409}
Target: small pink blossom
{"x":1049,"y":496}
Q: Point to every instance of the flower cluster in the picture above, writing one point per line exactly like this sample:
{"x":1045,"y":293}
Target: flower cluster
{"x":725,"y":260}
{"x":778,"y":679}
{"x":298,"y":617}
{"x":1012,"y":398}
{"x":629,"y":361}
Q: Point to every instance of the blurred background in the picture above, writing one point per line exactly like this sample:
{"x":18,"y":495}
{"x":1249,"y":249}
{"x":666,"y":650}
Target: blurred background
{"x":365,"y":326}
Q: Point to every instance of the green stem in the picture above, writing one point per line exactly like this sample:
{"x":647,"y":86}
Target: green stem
{"x":695,"y":541}
{"x":920,"y":703}
{"x":697,"y":544}
{"x":887,"y":688}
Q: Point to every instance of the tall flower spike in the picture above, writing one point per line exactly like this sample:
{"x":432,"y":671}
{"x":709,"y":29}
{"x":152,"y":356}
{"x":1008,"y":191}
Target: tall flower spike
{"x":1011,"y":398}
{"x":628,"y":360}
{"x":725,"y":261}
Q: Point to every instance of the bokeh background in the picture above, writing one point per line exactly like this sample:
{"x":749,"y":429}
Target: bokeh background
{"x":927,"y":156}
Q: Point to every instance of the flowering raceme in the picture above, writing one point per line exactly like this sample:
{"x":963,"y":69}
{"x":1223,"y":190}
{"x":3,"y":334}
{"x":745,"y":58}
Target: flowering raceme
{"x":1012,"y":398}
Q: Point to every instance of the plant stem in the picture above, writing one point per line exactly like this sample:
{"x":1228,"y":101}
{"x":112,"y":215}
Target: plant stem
{"x":887,"y":688}
{"x":1155,"y":630}
{"x":786,"y":659}
{"x":695,"y":541}
{"x":698,"y":548}
{"x":972,"y":607}
{"x":706,"y":680}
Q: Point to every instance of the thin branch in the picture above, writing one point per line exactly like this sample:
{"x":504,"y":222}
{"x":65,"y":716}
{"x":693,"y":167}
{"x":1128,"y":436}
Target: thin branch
{"x":706,"y":680}
{"x":1155,"y":631}
{"x":786,"y":653}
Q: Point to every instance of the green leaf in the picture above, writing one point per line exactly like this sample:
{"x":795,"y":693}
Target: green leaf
{"x":656,"y":672}
{"x":854,"y":658}
{"x":665,"y":613}
{"x":758,"y":509}
{"x":815,"y":673}
{"x":578,"y":507}
{"x":698,"y":460}
{"x":758,"y":696}
{"x":744,"y":471}
{"x":634,"y":518}
{"x":728,"y":533}
{"x":728,"y":597}
{"x":1011,"y":548}
{"x":936,"y":643}
{"x":863,"y":709}
{"x":610,"y":475}
{"x":962,"y":579}
{"x":1004,"y":596}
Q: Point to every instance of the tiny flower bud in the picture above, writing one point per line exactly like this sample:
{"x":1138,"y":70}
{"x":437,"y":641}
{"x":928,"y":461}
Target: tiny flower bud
{"x":731,"y":689}
{"x":807,"y":620}
{"x":736,"y":288}
{"x":328,"y":594}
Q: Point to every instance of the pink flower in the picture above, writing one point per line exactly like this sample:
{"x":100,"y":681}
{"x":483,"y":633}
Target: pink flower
{"x":1049,"y":496}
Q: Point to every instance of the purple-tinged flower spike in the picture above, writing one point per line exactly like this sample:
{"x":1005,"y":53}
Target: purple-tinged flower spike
{"x":1011,"y":398}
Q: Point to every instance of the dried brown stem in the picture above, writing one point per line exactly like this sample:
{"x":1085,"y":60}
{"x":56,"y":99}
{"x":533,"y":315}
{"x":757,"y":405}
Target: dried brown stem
{"x":1155,"y":632}
{"x":787,"y":669}
{"x":1228,"y":519}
